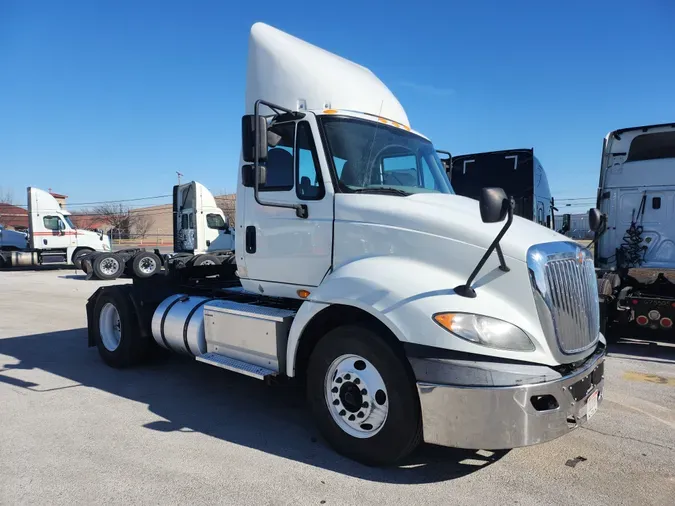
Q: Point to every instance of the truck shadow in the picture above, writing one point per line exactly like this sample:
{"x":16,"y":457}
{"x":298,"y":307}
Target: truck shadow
{"x":643,"y":350}
{"x":194,"y":397}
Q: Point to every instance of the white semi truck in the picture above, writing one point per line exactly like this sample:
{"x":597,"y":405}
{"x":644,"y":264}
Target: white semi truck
{"x":201,"y":236}
{"x":409,"y":313}
{"x":52,"y":237}
{"x":635,"y":250}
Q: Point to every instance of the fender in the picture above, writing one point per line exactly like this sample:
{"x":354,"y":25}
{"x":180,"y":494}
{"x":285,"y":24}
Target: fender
{"x":404,"y":295}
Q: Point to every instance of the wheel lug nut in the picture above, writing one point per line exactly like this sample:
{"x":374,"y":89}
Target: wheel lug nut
{"x":360,"y":414}
{"x":348,"y":377}
{"x":365,"y":405}
{"x":342,"y":413}
{"x":336,"y":402}
{"x":357,"y":381}
{"x":364,"y":391}
{"x":352,"y":418}
{"x":335,"y":390}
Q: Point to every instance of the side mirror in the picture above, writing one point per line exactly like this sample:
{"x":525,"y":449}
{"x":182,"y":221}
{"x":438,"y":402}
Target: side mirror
{"x":566,"y":223}
{"x":594,"y":219}
{"x":252,"y":134}
{"x":494,"y":205}
{"x":248,"y":176}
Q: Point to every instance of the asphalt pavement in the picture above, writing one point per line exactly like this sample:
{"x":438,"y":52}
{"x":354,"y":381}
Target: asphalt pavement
{"x":73,"y":431}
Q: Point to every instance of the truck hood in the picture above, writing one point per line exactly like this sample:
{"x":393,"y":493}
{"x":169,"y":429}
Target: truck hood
{"x":449,"y":216}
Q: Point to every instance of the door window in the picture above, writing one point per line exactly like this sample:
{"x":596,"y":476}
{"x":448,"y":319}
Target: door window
{"x":184,"y":221}
{"x":52,"y":223}
{"x":308,"y":172}
{"x":280,"y":160}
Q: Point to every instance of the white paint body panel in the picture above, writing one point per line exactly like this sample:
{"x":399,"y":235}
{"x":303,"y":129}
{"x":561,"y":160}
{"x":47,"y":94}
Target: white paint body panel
{"x":626,"y":183}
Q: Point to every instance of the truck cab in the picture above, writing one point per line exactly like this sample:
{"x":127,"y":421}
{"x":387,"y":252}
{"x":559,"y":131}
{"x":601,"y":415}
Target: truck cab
{"x":517,"y":171}
{"x":363,"y":276}
{"x":200,"y":226}
{"x":635,"y":251}
{"x":52,"y":237}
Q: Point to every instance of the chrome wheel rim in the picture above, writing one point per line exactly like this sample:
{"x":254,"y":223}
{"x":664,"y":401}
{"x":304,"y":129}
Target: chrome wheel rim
{"x":110,"y":327}
{"x":109,"y":266}
{"x":356,"y":396}
{"x":147,"y":265}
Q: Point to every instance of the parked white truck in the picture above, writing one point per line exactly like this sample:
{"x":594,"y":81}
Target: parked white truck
{"x":411,"y":314}
{"x":201,"y":236}
{"x":635,"y":250}
{"x":51,"y":239}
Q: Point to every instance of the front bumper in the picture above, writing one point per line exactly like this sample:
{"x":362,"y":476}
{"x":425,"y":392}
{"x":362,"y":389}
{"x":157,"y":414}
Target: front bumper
{"x":503,"y":417}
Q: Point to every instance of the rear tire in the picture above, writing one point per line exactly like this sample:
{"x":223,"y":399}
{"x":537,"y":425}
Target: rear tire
{"x":116,"y":330}
{"x":205,"y":260}
{"x":146,"y":264}
{"x":108,"y":266}
{"x":385,"y":400}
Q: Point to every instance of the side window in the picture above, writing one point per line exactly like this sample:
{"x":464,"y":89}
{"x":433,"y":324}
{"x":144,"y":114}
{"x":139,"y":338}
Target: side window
{"x":215,"y":221}
{"x":309,"y":185}
{"x":280,"y":160}
{"x":191,"y":221}
{"x":51,"y":222}
{"x":184,"y":221}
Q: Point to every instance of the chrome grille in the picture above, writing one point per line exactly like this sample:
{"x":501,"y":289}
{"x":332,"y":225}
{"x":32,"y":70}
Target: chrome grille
{"x":563,"y":277}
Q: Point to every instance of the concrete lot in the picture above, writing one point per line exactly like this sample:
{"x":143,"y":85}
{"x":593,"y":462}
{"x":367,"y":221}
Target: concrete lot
{"x":73,"y":431}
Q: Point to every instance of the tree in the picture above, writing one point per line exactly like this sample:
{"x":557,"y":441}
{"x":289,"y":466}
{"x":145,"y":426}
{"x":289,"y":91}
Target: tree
{"x":116,"y":216}
{"x":6,"y":196}
{"x":141,"y":224}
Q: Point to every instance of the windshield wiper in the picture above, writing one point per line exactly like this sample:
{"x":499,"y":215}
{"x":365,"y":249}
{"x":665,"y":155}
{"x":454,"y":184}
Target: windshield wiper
{"x":385,"y":190}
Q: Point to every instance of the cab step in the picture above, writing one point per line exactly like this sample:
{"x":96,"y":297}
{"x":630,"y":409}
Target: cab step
{"x":232,"y":364}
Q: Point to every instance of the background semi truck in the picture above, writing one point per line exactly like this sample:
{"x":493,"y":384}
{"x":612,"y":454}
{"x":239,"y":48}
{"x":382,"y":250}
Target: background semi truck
{"x":51,"y":239}
{"x":635,"y":249}
{"x":201,"y":236}
{"x":517,"y":171}
{"x":408,"y":313}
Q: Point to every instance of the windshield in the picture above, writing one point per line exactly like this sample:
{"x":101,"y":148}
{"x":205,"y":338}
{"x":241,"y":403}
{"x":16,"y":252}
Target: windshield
{"x":372,"y":157}
{"x":68,"y":221}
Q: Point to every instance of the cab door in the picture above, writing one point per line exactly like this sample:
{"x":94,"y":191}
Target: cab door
{"x":279,"y":248}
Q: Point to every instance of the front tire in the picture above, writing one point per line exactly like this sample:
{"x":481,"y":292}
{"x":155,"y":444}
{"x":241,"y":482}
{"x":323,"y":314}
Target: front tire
{"x":77,"y":257}
{"x":363,"y":397}
{"x":116,"y":330}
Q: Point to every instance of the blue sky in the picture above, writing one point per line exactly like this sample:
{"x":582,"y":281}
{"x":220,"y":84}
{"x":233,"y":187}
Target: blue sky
{"x":108,"y":99}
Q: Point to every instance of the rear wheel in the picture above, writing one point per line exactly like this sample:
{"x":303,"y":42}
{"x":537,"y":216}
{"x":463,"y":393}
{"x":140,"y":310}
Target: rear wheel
{"x":116,"y":331}
{"x":363,"y":397}
{"x":206,"y":260}
{"x":146,"y":264}
{"x":108,"y":266}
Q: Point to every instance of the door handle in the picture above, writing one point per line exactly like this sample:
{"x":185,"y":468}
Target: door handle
{"x":250,"y":239}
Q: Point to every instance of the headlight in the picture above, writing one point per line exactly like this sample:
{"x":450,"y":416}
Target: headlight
{"x":485,"y":331}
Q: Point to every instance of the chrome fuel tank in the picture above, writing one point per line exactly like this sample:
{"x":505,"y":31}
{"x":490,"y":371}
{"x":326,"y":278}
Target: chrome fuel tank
{"x":178,"y":324}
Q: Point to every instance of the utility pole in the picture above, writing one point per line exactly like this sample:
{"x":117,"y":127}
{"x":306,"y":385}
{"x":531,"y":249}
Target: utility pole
{"x":179,"y":176}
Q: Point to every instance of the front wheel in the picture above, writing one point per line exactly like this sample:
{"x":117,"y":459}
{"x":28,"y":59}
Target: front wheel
{"x":363,"y":397}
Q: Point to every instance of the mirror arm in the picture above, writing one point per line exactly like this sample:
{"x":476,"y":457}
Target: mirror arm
{"x":301,"y":210}
{"x":466,"y":290}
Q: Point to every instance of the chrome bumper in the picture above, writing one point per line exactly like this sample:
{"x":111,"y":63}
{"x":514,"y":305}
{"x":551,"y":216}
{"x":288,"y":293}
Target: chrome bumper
{"x":494,"y":418}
